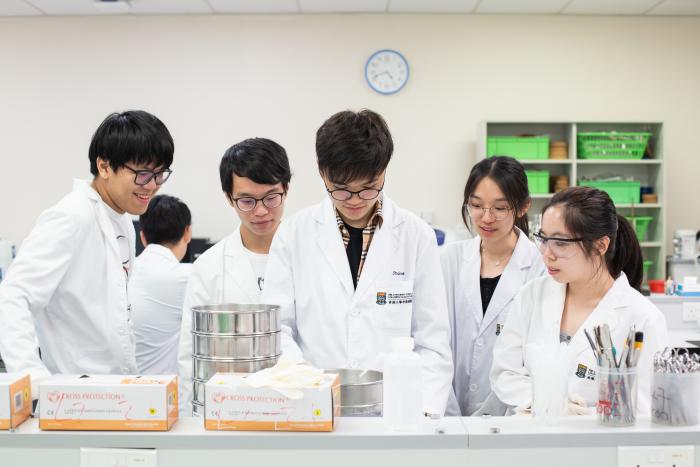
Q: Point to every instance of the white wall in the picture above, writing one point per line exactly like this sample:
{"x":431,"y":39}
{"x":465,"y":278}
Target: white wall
{"x":218,"y":79}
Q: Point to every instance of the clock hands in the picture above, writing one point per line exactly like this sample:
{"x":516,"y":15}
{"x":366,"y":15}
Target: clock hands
{"x":385,"y":72}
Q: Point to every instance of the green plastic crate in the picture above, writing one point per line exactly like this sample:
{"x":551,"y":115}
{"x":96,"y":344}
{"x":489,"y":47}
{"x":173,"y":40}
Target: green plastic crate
{"x":537,"y":181}
{"x":621,"y":192}
{"x":645,"y":266}
{"x":640,"y":225}
{"x":518,"y":147}
{"x":612,"y":145}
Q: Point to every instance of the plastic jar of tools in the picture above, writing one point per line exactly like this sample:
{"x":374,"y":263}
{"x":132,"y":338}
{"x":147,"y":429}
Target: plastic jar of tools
{"x":617,"y":396}
{"x":675,"y":399}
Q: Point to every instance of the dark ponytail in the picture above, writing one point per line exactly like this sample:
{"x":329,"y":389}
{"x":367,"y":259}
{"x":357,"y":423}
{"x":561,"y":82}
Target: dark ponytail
{"x":589,"y":214}
{"x":509,"y":175}
{"x":627,"y":254}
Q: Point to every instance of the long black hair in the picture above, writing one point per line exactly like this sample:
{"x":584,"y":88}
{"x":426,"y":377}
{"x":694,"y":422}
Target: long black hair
{"x":590,"y":214}
{"x":509,"y":175}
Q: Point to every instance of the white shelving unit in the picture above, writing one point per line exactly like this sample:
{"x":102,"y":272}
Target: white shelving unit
{"x":649,"y":171}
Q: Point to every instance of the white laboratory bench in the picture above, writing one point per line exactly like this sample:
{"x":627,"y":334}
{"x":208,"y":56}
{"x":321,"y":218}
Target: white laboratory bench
{"x":361,"y":442}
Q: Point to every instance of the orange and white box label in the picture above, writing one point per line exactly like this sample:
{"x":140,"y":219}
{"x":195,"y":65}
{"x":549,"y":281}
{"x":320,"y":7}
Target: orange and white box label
{"x":108,"y":402}
{"x":232,"y":405}
{"x":15,"y":400}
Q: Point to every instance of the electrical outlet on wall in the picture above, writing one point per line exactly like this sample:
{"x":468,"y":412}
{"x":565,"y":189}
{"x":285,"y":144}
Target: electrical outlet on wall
{"x":655,"y":456}
{"x":105,"y":457}
{"x":691,"y":311}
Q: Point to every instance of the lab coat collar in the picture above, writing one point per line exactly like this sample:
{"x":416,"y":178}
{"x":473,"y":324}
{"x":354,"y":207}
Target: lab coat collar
{"x":160,"y":250}
{"x":608,"y":311}
{"x":511,"y":281}
{"x":382,"y":247}
{"x":84,"y":187}
{"x":103,"y":220}
{"x":325,"y":213}
{"x":331,"y":243}
{"x":238,"y":268}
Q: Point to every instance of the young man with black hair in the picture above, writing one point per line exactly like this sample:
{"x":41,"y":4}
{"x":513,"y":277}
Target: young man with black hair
{"x":255,"y":177}
{"x":356,"y":270}
{"x":157,"y":285}
{"x":67,"y":288}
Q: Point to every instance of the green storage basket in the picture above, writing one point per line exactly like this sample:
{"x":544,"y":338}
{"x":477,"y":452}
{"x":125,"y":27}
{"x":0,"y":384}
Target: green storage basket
{"x":612,"y":145}
{"x":640,"y":225}
{"x":518,"y":147}
{"x":537,"y":181}
{"x":621,"y":192}
{"x":646,"y":264}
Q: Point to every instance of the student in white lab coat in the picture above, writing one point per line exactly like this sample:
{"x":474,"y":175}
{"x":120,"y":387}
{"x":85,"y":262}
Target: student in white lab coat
{"x":67,"y":288}
{"x":356,"y":270}
{"x":594,"y":263}
{"x":157,"y":286}
{"x":255,"y":177}
{"x":484,"y":274}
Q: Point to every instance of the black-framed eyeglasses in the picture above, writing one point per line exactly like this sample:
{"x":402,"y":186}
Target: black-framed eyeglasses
{"x":248,"y":203}
{"x":144,"y":177}
{"x":341,"y":194}
{"x":559,"y":247}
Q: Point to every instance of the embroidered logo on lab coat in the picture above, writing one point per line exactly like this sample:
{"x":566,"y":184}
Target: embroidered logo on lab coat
{"x":583,"y":372}
{"x":394,"y":298}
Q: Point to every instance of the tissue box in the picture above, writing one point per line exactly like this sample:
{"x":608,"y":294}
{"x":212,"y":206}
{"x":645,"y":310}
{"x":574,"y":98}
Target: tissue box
{"x":15,"y":400}
{"x":232,"y":405}
{"x":108,"y":402}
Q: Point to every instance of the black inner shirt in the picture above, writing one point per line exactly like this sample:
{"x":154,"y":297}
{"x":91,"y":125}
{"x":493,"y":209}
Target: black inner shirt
{"x":354,"y":251}
{"x":488,"y":286}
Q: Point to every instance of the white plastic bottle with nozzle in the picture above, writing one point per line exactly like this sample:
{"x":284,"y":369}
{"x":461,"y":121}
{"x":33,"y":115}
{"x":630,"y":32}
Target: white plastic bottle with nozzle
{"x":403,"y":388}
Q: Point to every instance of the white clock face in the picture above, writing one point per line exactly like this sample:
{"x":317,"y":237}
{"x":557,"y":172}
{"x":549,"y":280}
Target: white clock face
{"x":386,"y":71}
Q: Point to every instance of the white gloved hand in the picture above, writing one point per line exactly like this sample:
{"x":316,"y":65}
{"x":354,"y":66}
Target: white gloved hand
{"x":522,"y":411}
{"x":577,"y":405}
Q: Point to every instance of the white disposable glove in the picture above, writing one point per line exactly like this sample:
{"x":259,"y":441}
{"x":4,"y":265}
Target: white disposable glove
{"x":577,"y":405}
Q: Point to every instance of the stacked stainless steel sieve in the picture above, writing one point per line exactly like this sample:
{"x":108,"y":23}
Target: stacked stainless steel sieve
{"x":232,"y":338}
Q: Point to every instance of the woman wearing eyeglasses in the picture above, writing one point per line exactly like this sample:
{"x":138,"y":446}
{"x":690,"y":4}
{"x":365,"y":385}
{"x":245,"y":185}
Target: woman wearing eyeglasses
{"x":483,"y":274}
{"x":255,"y":177}
{"x":594,"y":265}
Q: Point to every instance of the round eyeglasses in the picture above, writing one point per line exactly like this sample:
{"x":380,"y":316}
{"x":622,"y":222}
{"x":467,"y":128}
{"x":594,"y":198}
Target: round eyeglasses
{"x":367,"y":194}
{"x":248,"y":203}
{"x":498,"y":212}
{"x":559,"y":247}
{"x":144,"y":177}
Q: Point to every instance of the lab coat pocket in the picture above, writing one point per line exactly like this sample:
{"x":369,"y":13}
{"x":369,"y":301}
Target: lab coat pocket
{"x":395,"y":306}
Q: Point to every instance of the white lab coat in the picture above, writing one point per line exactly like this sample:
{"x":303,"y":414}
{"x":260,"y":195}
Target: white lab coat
{"x":67,"y":287}
{"x":222,"y":274}
{"x":336,"y":326}
{"x":156,"y":293}
{"x":473,"y":332}
{"x":535,"y":318}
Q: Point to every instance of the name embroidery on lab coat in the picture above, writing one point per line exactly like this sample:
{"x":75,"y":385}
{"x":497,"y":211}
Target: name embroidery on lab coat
{"x":389,"y":298}
{"x":583,"y":372}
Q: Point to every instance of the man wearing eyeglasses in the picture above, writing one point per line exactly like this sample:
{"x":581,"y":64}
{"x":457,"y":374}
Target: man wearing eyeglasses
{"x":255,"y":177}
{"x":67,"y":289}
{"x":355,"y":271}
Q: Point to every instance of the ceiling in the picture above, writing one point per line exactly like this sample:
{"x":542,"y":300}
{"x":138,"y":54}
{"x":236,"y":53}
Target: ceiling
{"x":168,"y":7}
